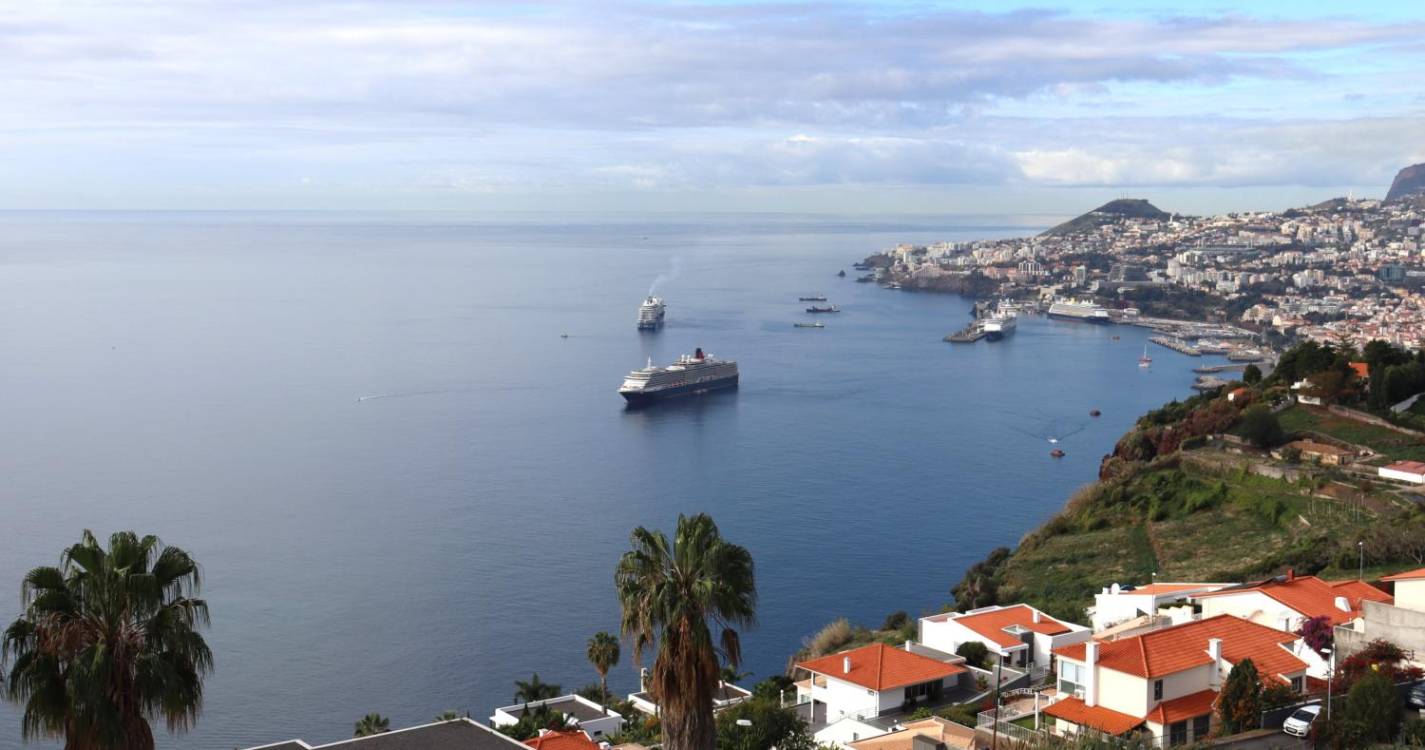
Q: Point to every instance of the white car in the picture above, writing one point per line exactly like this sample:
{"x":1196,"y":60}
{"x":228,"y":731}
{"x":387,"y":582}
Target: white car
{"x":1299,"y":723}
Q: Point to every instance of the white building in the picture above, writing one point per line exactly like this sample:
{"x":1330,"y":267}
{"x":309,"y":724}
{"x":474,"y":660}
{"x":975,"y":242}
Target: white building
{"x":875,"y":680}
{"x":579,"y":713}
{"x":1117,"y":604}
{"x":1285,"y":602}
{"x":727,"y":696}
{"x":1017,"y":635}
{"x":1404,"y":471}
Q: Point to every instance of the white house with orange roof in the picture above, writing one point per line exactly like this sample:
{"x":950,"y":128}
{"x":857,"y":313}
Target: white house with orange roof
{"x":1285,"y":602}
{"x":1017,"y":635}
{"x":1400,"y":621}
{"x":1118,"y":604}
{"x":1404,"y":471}
{"x":867,"y":682}
{"x":1165,"y":683}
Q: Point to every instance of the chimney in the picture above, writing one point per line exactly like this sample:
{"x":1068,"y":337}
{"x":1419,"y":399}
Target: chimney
{"x":1035,"y":615}
{"x":1214,"y":652}
{"x":908,"y":644}
{"x":846,"y":665}
{"x":1091,"y":674}
{"x":1342,"y":604}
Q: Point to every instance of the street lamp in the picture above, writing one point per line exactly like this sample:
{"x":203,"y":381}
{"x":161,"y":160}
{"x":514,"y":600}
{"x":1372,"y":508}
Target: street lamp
{"x":1361,"y":566}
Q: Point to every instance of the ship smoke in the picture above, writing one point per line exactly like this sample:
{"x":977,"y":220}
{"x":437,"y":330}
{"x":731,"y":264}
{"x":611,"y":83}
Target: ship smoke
{"x":675,"y":268}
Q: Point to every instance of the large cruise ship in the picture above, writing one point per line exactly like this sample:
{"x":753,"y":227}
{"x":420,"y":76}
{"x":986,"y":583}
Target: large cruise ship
{"x":691,"y":374}
{"x":1087,"y":312}
{"x":650,"y":313}
{"x":999,"y":325}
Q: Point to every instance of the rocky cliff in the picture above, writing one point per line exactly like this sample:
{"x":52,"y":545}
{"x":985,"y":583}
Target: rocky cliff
{"x":1409,"y":181}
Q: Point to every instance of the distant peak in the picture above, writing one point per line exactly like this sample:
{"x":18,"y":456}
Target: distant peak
{"x":1409,"y":181}
{"x":1121,"y":208}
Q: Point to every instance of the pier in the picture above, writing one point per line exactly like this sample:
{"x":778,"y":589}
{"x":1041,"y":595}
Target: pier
{"x":1209,"y":369}
{"x":1177,"y":345}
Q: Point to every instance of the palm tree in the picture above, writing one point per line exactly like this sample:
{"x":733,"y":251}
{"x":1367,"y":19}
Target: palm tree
{"x":107,"y":643}
{"x":372,"y":723}
{"x":672,"y":595}
{"x":448,"y":715}
{"x":534,"y":690}
{"x":603,"y":654}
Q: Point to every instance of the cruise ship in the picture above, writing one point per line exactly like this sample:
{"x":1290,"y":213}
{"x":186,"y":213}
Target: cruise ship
{"x":998,"y":326}
{"x":1087,"y":312}
{"x":650,"y":313}
{"x":691,"y":374}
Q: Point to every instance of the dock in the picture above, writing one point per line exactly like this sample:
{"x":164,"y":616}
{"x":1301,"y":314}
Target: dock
{"x":967,"y":335}
{"x":1209,"y":369}
{"x":1177,"y":345}
{"x":1208,"y":383}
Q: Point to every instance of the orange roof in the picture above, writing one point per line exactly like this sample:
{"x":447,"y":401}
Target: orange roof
{"x":1312,"y":597}
{"x":1103,"y":719}
{"x":941,"y":730}
{"x":1414,"y":467}
{"x":572,"y":739}
{"x":1169,"y":588}
{"x":1409,"y":575}
{"x":1361,"y":369}
{"x":1171,"y":650}
{"x":992,"y":624}
{"x":1183,"y":708}
{"x":881,"y":667}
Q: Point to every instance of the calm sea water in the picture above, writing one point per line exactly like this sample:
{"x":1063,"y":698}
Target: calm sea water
{"x":408,"y":490}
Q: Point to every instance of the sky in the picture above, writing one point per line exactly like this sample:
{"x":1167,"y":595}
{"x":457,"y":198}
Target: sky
{"x":836,"y":107}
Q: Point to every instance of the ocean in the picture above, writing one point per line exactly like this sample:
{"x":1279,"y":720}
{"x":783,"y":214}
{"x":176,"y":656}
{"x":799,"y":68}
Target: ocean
{"x":408,"y":490}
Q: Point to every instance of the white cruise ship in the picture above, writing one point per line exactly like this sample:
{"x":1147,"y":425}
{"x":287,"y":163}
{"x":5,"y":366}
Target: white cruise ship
{"x":1085,"y":311}
{"x":650,"y":313}
{"x":999,"y":325}
{"x":691,"y":374}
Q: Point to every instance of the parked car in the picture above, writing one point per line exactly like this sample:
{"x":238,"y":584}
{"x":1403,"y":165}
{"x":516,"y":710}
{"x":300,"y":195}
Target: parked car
{"x":1299,"y":723}
{"x":1416,"y":696}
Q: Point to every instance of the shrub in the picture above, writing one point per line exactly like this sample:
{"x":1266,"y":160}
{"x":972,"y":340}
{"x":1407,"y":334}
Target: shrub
{"x":895,"y":620}
{"x":1240,"y":705}
{"x":976,"y":654}
{"x":830,"y":638}
{"x":1413,"y":733}
{"x":1374,"y":704}
{"x":1260,"y":426}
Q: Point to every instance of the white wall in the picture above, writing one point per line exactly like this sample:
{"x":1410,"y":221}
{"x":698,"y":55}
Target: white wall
{"x":845,"y":698}
{"x":1045,"y":644}
{"x":1404,"y":476}
{"x":845,"y":731}
{"x":1251,"y":605}
{"x":1112,"y":609}
{"x":1410,"y":595}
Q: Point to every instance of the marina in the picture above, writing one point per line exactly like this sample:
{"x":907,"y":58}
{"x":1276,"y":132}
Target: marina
{"x":1177,"y":345}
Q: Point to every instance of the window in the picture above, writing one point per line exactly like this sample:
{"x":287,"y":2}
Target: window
{"x":1177,"y":733}
{"x":922,"y":690}
{"x":1201,"y":726}
{"x":1071,"y":677}
{"x":1296,"y":684}
{"x":1157,"y":690}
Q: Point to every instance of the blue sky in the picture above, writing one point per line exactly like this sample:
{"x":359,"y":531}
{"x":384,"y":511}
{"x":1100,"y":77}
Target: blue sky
{"x":918,"y":107}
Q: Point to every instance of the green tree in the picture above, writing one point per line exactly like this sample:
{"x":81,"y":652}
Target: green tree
{"x":976,"y":654}
{"x":771,"y":726}
{"x":603,"y":653}
{"x":1260,"y":426}
{"x":1240,"y":704}
{"x":534,"y":689}
{"x":1251,"y":375}
{"x":447,"y":715}
{"x":1374,"y":704}
{"x":672,"y":595}
{"x":371,"y":724}
{"x":108,"y":642}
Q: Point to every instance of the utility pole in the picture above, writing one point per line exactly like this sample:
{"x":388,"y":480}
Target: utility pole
{"x":999,"y":672}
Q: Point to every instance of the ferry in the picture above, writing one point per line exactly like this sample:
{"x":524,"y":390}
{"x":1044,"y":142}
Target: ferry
{"x":1084,"y":311}
{"x":650,"y":313}
{"x":827,"y":309}
{"x":692,"y":374}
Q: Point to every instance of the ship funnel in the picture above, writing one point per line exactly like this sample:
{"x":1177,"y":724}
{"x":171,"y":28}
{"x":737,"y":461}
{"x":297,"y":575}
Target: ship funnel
{"x":698,"y":353}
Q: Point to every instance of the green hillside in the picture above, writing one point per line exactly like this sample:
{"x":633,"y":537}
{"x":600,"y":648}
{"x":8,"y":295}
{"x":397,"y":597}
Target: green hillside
{"x":1123,"y":208}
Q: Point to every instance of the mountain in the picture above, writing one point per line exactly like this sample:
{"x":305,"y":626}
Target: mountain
{"x":1123,"y":208}
{"x":1409,"y":181}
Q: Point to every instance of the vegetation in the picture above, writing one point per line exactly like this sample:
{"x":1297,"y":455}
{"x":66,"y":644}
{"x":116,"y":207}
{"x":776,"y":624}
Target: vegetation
{"x":1318,"y":633}
{"x":770,"y":726}
{"x":1396,"y":446}
{"x":976,"y":654}
{"x":603,"y":653}
{"x":673,"y":594}
{"x":450,"y":715}
{"x":372,"y":724}
{"x":534,"y":690}
{"x":1240,"y":705}
{"x":532,"y":720}
{"x":1374,"y":706}
{"x":1260,"y":427}
{"x":108,"y":642}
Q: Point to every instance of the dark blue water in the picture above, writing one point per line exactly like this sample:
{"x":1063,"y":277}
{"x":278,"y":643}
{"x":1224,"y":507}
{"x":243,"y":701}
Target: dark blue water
{"x":408,"y":490}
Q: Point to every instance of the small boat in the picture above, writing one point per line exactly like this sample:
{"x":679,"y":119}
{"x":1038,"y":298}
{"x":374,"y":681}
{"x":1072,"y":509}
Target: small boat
{"x":891,"y":285}
{"x":812,"y":298}
{"x":1115,"y":338}
{"x":809,"y":325}
{"x":1095,"y":413}
{"x":841,"y":273}
{"x":827,"y":309}
{"x":563,"y":335}
{"x":1057,"y":453}
{"x":1145,"y":360}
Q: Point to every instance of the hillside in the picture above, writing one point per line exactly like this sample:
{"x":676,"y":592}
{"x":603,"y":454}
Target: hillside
{"x":1408,"y":181}
{"x":1123,"y":208}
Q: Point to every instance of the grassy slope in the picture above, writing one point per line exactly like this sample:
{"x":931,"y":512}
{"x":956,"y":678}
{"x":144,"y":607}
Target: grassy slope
{"x":1390,"y":443}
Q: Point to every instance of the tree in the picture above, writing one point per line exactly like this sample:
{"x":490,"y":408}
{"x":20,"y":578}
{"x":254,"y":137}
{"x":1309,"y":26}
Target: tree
{"x":1260,"y":426}
{"x":1374,"y":704}
{"x":1318,"y":633}
{"x":772,"y":726}
{"x":371,"y":724}
{"x":976,"y":654}
{"x":108,"y":642}
{"x":603,"y":653}
{"x":672,"y":595}
{"x":448,"y":715}
{"x":534,"y":690}
{"x":1251,"y":375}
{"x":1240,"y":704}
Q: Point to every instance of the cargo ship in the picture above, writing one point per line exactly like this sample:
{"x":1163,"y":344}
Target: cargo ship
{"x":692,"y":374}
{"x":650,"y":313}
{"x":1086,"y":312}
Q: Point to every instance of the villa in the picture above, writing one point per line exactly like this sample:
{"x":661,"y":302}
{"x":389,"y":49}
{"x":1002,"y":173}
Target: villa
{"x":579,"y":713}
{"x":876,"y":680}
{"x":1285,"y":602}
{"x":1128,"y":605}
{"x":458,"y":734}
{"x":1017,"y":635}
{"x":727,"y":696}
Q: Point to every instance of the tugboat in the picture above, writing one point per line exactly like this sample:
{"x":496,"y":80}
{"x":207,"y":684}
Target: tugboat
{"x":1057,"y":453}
{"x":827,"y":309}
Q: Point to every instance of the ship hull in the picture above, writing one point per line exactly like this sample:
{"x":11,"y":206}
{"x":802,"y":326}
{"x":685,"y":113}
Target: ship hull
{"x":644,"y":398}
{"x":994,"y":335}
{"x":649,"y":325}
{"x":1080,"y":318}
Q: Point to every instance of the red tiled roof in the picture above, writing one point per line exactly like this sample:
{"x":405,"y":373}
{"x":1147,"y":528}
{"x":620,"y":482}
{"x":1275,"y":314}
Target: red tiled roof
{"x":991,"y":624}
{"x":1409,"y":575}
{"x":1103,"y":719}
{"x":1414,"y":467}
{"x":881,"y":667}
{"x":1313,"y":597}
{"x":1168,"y":588}
{"x":1183,"y":708}
{"x":1361,"y":369}
{"x":566,"y":740}
{"x":1171,"y":650}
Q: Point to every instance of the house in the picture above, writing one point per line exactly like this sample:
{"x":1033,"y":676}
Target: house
{"x":1165,"y":683}
{"x":1302,"y":385}
{"x":1285,"y":602}
{"x":926,"y":734}
{"x":1314,"y":452}
{"x":1361,"y":370}
{"x":1017,"y":635}
{"x":1405,"y":471}
{"x":579,"y":713}
{"x":875,"y":680}
{"x":1400,"y":621}
{"x":1117,"y":604}
{"x":458,"y":734}
{"x":1236,"y":394}
{"x":569,"y":739}
{"x":727,"y":696}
